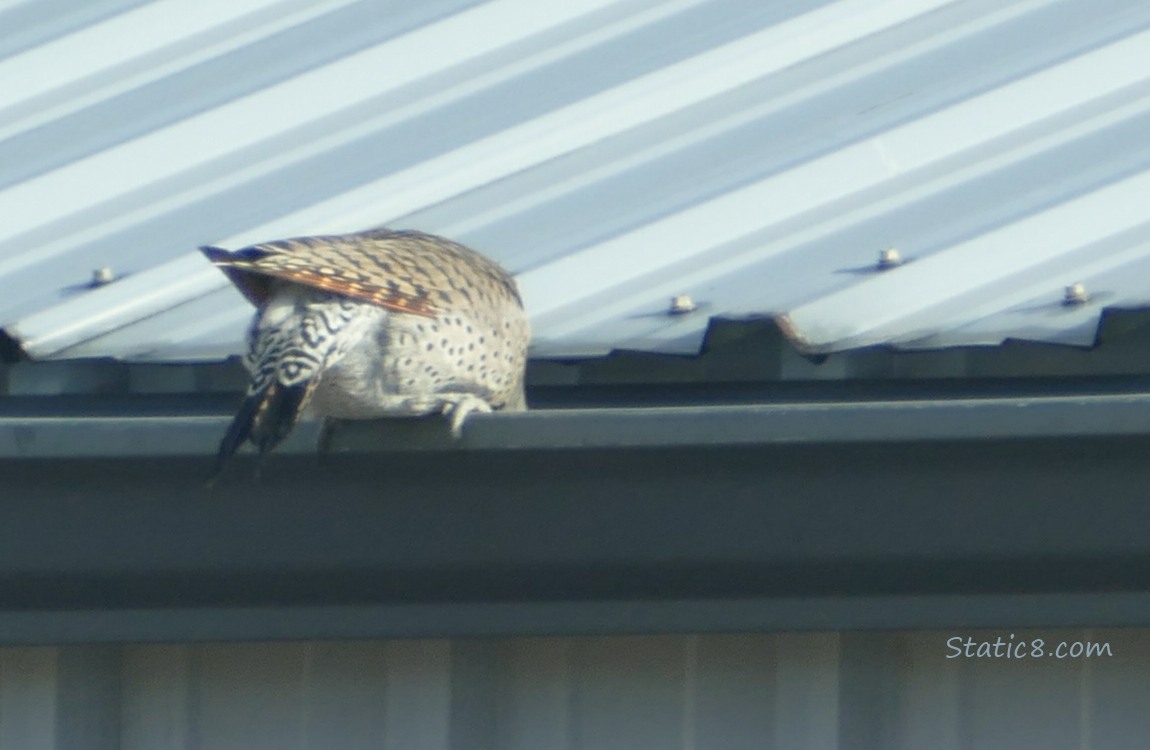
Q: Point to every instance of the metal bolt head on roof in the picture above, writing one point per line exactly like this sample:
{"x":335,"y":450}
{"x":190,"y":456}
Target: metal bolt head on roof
{"x":103,"y":275}
{"x":889,"y":258}
{"x":682,"y":304}
{"x":1075,"y":294}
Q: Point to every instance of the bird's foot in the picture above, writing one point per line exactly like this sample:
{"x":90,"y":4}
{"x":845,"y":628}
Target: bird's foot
{"x":459,"y":409}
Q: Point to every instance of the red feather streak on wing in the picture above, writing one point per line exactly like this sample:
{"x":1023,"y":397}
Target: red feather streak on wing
{"x":355,"y":289}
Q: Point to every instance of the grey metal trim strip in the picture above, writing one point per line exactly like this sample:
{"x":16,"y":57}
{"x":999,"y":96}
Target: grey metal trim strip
{"x":752,"y":424}
{"x":577,"y":618}
{"x":106,"y":437}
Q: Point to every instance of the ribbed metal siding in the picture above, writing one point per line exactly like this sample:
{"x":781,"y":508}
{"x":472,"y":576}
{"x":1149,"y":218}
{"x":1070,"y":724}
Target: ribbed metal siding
{"x":756,"y":156}
{"x":822,"y":691}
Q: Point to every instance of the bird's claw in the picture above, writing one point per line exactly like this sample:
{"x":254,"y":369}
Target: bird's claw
{"x":462,"y":408}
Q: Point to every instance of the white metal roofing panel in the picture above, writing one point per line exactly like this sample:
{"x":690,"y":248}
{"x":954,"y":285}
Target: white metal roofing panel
{"x":756,"y":156}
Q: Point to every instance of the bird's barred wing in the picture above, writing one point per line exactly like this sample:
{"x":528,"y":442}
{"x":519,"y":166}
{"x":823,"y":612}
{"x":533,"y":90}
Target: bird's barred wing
{"x":408,"y":272}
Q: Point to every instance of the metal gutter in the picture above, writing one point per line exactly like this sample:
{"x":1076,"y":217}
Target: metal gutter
{"x":32,"y":436}
{"x":915,"y":514}
{"x":779,"y":424}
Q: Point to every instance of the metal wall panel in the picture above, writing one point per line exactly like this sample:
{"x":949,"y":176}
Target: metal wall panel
{"x":824,"y":691}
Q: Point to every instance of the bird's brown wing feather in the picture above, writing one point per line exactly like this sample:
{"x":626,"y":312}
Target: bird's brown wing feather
{"x":408,"y":272}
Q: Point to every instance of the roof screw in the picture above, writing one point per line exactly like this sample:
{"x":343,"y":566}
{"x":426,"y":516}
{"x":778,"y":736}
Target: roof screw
{"x":1075,"y":295}
{"x":889,"y":258}
{"x":102,"y":276}
{"x":681,"y":304}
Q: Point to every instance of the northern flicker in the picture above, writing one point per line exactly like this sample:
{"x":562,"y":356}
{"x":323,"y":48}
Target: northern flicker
{"x":373,"y":324}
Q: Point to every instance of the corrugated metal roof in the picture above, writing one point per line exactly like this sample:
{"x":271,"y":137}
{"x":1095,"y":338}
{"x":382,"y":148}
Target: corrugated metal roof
{"x":755,"y":156}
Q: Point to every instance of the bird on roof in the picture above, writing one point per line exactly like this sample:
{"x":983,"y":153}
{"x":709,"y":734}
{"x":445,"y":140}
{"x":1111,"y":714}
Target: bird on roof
{"x":373,"y":324}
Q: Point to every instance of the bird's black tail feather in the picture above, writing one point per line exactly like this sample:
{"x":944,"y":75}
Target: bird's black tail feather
{"x":265,"y":418}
